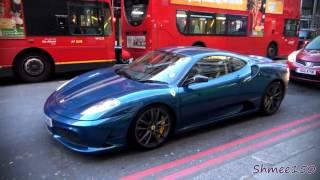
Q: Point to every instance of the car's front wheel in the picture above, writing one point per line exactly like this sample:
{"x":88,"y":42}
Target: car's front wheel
{"x":272,"y":98}
{"x":151,"y":128}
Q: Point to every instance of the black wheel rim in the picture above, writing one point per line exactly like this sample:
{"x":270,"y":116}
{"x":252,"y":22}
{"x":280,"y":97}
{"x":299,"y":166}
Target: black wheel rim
{"x":152,"y":127}
{"x":273,"y":98}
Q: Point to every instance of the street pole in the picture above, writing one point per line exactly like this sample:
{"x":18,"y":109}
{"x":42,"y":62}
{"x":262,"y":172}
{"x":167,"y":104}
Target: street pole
{"x":314,"y":13}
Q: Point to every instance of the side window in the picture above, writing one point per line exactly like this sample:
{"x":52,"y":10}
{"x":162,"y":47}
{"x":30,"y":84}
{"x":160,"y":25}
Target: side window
{"x":201,"y":23}
{"x":211,"y":67}
{"x":107,"y":17}
{"x":237,"y":25}
{"x":216,"y":66}
{"x":236,"y":64}
{"x":221,"y":24}
{"x":291,"y":27}
{"x":182,"y":21}
{"x":84,"y":20}
{"x":89,"y":19}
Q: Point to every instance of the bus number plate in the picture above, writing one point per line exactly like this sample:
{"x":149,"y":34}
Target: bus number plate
{"x":138,"y":42}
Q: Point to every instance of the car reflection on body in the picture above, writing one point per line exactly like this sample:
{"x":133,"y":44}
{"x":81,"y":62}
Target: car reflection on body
{"x":167,"y":91}
{"x":304,"y":64}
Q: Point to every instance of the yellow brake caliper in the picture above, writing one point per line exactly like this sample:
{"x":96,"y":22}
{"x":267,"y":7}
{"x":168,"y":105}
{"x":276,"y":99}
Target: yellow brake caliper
{"x":162,"y":123}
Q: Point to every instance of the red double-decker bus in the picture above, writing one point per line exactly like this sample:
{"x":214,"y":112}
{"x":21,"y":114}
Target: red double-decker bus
{"x":40,"y":37}
{"x":255,"y":27}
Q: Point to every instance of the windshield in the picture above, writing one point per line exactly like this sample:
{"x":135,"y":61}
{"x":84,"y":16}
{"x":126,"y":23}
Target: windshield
{"x":135,"y":11}
{"x":155,"y":67}
{"x":314,"y":44}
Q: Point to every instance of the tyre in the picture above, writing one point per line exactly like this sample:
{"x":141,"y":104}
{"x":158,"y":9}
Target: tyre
{"x":272,"y":98}
{"x":198,"y":44}
{"x":272,"y":51}
{"x":34,"y":67}
{"x":151,"y":128}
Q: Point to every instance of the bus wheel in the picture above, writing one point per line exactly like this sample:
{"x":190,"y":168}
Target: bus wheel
{"x":34,"y":67}
{"x":272,"y":51}
{"x":199,"y":44}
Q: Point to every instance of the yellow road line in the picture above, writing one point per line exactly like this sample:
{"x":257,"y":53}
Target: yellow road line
{"x":87,"y":61}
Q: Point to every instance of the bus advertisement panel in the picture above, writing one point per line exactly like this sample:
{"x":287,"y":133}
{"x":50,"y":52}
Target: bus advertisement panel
{"x":11,"y":20}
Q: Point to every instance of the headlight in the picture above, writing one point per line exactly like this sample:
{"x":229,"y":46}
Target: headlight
{"x":101,"y":106}
{"x":293,"y":56}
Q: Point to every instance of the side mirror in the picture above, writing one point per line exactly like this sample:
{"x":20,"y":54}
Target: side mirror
{"x":305,"y":44}
{"x":197,"y":79}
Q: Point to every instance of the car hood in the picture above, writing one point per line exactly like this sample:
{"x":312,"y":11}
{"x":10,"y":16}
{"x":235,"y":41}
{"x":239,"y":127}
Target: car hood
{"x":309,"y":55}
{"x":94,"y":87}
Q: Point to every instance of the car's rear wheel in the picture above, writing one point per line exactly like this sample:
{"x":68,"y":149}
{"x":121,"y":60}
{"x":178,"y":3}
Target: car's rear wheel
{"x":151,"y":128}
{"x":272,"y":98}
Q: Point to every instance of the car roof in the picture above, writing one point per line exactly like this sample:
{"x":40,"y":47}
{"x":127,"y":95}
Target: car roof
{"x":190,"y":50}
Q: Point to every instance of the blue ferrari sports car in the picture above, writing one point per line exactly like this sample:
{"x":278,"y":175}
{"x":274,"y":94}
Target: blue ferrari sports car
{"x":164,"y":92}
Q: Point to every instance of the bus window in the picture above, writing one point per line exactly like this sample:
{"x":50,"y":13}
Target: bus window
{"x":221,"y":24}
{"x":182,"y":21}
{"x":135,"y":11}
{"x":84,"y":20}
{"x":201,"y":23}
{"x":107,"y":25}
{"x":237,"y":25}
{"x":291,"y":27}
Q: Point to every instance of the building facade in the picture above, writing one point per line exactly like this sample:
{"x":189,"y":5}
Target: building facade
{"x":310,"y":14}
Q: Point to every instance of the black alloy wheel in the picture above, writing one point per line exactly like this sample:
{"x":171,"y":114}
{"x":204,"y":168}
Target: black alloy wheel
{"x":272,"y":98}
{"x":151,"y":128}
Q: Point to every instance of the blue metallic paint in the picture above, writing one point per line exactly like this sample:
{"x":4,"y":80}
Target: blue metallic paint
{"x":193,"y":106}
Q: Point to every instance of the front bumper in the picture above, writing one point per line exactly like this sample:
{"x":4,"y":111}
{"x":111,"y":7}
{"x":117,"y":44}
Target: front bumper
{"x":303,"y":77}
{"x":89,"y":136}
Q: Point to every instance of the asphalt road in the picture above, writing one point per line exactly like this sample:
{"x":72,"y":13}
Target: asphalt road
{"x":234,"y":149}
